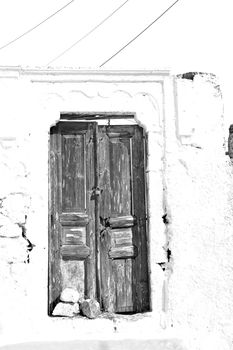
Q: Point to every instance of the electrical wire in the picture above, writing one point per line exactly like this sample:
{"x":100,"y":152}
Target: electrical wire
{"x":88,"y":33}
{"x":130,"y":42}
{"x":36,"y":26}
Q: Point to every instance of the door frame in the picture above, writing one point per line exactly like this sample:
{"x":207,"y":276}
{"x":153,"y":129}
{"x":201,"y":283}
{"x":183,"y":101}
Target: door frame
{"x":107,"y":118}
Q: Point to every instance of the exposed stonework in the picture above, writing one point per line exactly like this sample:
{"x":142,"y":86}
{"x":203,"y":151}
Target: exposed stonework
{"x":14,"y":200}
{"x":14,"y":244}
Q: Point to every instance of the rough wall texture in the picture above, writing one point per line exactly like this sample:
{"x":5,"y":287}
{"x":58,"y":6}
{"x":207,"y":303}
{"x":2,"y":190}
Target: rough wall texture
{"x":199,"y":194}
{"x":190,"y":206}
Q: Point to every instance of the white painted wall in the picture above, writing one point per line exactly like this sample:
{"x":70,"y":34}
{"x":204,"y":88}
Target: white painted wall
{"x":189,"y":179}
{"x":199,"y":182}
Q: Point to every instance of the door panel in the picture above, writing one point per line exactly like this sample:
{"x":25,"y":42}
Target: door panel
{"x":73,"y":232}
{"x":120,"y":174}
{"x":123,"y":240}
{"x":98,"y":240}
{"x":73,"y":173}
{"x":123,"y":272}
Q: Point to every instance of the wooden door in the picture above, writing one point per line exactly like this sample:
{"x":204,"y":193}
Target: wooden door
{"x":72,"y":252}
{"x":123,"y":238}
{"x":98,"y":240}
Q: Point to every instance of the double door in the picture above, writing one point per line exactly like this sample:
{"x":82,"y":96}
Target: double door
{"x":98,"y":228}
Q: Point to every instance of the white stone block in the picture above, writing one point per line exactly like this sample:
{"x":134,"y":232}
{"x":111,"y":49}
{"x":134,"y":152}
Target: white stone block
{"x":69,"y":295}
{"x":66,"y":309}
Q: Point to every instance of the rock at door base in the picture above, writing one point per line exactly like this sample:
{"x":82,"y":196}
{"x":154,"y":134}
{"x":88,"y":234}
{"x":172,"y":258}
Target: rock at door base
{"x":90,"y":308}
{"x":69,"y":295}
{"x":66,"y":309}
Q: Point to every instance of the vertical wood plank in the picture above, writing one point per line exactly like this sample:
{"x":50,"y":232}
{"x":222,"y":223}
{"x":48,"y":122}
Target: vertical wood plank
{"x":97,"y":211}
{"x":90,"y":267}
{"x":128,"y":284}
{"x":108,"y":283}
{"x":140,"y":263}
{"x":54,"y":272}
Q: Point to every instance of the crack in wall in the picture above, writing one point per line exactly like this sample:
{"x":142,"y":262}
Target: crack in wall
{"x":168,"y":264}
{"x":30,"y":245}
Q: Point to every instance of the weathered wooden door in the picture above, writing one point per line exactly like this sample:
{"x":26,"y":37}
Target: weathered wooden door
{"x":98,"y":238}
{"x":123,"y":240}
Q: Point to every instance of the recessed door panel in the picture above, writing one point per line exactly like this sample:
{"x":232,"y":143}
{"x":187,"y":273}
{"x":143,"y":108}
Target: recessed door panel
{"x":73,"y":173}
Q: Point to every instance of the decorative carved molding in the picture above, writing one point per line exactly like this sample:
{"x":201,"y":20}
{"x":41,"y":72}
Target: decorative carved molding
{"x":142,"y":104}
{"x":136,"y":91}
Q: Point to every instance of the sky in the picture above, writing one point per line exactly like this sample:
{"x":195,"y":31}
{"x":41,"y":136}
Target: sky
{"x":194,"y":35}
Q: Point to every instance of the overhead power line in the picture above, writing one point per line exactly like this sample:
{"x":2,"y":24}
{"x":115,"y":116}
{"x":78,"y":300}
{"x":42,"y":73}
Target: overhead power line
{"x":87,"y":34}
{"x":143,"y":31}
{"x":36,"y":26}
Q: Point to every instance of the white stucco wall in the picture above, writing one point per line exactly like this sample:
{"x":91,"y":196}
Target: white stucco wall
{"x":189,"y":179}
{"x":199,"y":182}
